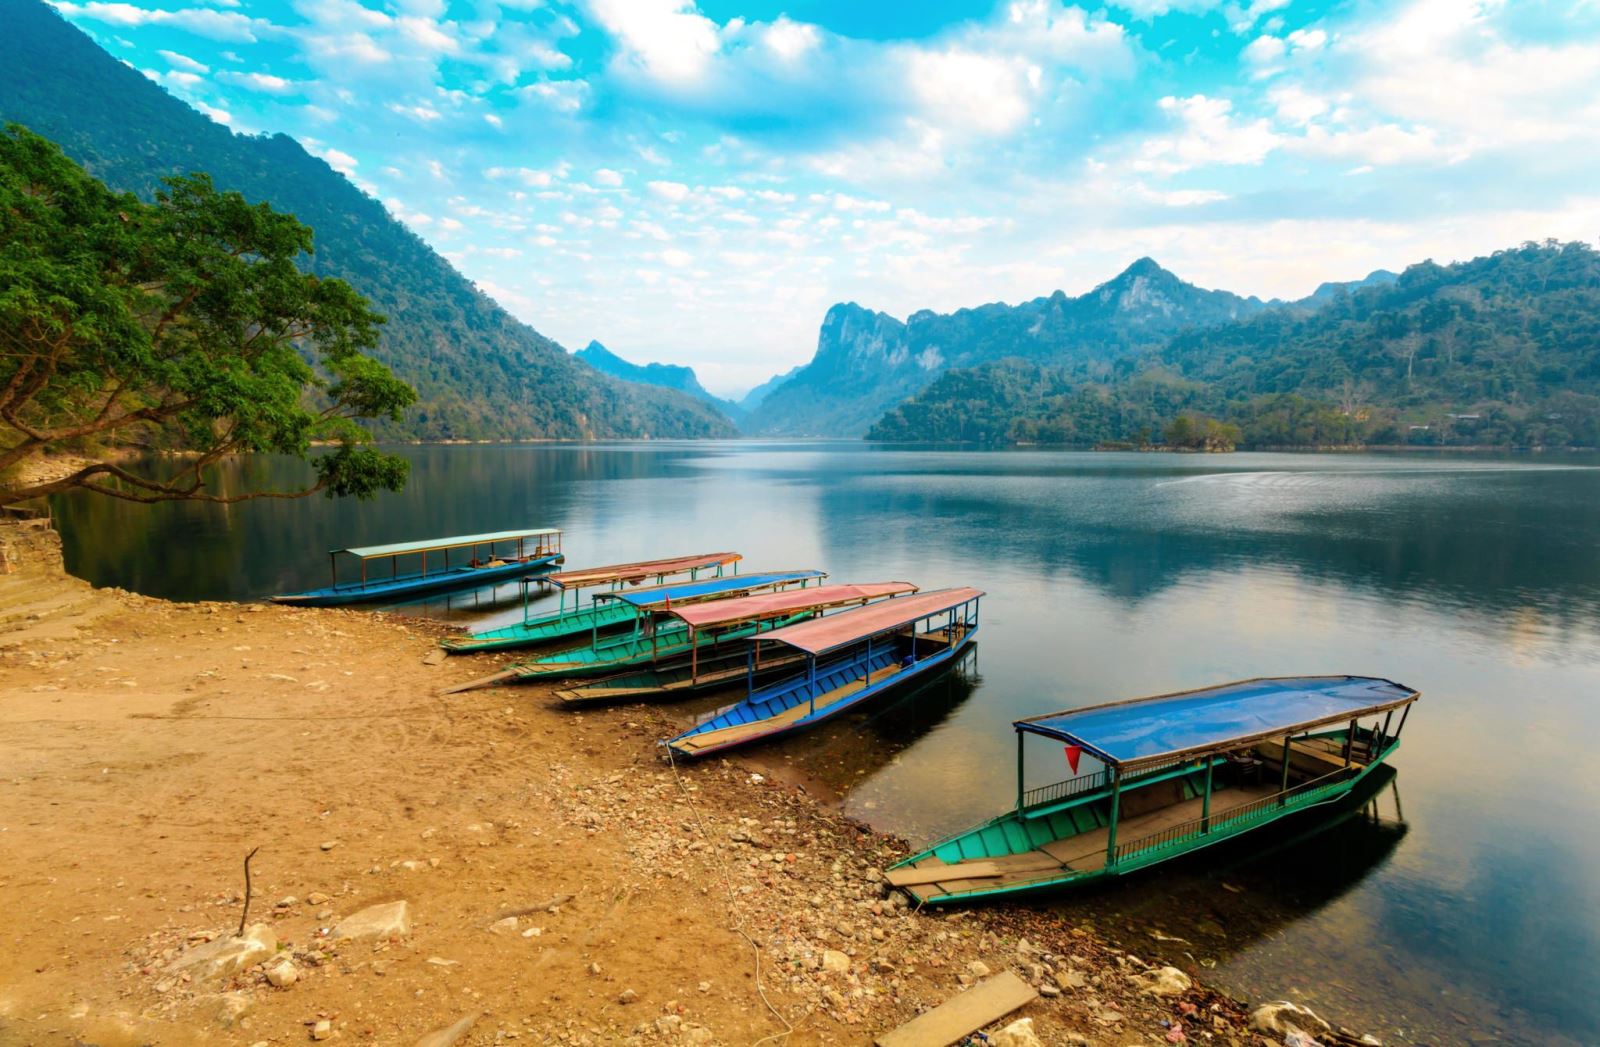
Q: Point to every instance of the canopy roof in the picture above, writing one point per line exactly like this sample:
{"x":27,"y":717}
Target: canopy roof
{"x":367,"y":552}
{"x":1170,"y":725}
{"x":637,"y":572}
{"x":656,"y":595}
{"x":834,"y":631}
{"x":765,"y":605}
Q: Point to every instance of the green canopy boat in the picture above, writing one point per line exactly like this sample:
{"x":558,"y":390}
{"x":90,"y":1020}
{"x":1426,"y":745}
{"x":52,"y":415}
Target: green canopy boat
{"x":1164,"y":776}
{"x":724,"y":664}
{"x":648,"y":642}
{"x":598,"y":616}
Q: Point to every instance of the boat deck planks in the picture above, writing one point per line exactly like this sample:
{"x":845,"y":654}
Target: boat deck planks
{"x":788,"y":716}
{"x":1084,"y":852}
{"x":962,"y":1014}
{"x":931,"y":874}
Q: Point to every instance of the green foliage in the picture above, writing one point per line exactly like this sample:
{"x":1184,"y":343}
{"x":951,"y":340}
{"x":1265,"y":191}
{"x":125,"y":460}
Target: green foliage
{"x":184,"y":321}
{"x":1189,"y":432}
{"x":1497,"y":351}
{"x":479,"y":373}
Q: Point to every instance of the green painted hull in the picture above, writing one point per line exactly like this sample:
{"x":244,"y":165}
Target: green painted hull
{"x":1053,"y":820}
{"x":671,"y":643}
{"x":675,"y":680}
{"x":545,"y":629}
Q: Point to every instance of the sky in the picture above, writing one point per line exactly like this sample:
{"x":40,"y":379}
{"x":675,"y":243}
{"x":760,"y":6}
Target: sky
{"x":698,"y":183}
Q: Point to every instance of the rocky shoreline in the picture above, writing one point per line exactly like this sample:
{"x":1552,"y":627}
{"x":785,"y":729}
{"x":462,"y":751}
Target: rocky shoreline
{"x":472,"y":869}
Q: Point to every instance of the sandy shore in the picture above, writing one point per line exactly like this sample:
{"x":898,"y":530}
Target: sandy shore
{"x":146,"y":747}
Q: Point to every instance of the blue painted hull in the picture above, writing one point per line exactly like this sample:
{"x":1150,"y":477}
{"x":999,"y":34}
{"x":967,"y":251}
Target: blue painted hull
{"x":769,"y":711}
{"x":394,"y":589}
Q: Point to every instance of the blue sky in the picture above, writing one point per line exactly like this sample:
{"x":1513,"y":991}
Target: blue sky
{"x":697,"y":184}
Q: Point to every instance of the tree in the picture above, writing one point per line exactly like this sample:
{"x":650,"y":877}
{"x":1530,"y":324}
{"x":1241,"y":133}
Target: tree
{"x":184,"y":323}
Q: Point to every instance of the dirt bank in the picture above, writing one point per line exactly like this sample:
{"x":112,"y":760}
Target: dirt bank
{"x":146,"y":747}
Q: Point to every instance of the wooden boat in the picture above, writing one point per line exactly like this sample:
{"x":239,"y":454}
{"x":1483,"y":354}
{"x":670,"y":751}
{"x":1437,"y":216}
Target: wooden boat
{"x":491,"y":558}
{"x":849,"y":657}
{"x":576,"y":620}
{"x":723,"y":664}
{"x":1165,"y":776}
{"x":644,"y":643}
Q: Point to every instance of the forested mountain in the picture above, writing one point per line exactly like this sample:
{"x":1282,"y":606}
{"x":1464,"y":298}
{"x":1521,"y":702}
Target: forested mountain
{"x":751,"y":400}
{"x":480,"y":373}
{"x":1502,"y":350}
{"x":664,"y":376}
{"x":867,"y":361}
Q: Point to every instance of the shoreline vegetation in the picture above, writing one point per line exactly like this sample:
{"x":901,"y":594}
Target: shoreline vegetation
{"x":544,"y":875}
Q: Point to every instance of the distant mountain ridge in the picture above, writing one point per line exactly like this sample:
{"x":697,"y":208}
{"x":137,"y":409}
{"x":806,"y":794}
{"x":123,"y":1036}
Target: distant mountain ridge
{"x":867,"y":361}
{"x":663,"y":376}
{"x":1502,"y":350}
{"x":480,"y":373}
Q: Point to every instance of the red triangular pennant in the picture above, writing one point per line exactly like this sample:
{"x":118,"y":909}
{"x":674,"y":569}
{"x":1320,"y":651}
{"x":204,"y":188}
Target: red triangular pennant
{"x":1074,"y":752}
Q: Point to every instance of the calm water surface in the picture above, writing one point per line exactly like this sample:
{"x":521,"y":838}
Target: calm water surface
{"x":1461,"y":903}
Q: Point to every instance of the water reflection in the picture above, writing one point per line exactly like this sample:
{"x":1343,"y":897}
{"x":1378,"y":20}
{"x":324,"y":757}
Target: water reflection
{"x":1476,"y":580}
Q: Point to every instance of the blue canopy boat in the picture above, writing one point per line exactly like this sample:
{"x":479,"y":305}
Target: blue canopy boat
{"x":1167,"y":775}
{"x":491,"y":558}
{"x":646,"y":642}
{"x":849,"y":657}
{"x":577,"y":620}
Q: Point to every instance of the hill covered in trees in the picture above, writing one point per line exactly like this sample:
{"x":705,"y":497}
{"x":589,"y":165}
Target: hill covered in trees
{"x":1502,"y":350}
{"x":867,"y":361}
{"x":479,"y":372}
{"x":665,"y":376}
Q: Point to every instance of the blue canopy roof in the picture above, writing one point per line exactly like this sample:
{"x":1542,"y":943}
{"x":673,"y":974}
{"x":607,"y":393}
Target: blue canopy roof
{"x":658,"y":595}
{"x":1169,"y":725}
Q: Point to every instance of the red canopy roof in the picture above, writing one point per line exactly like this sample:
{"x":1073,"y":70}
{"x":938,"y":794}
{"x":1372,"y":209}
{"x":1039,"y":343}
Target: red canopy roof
{"x":766,"y":605}
{"x":637,"y":572}
{"x":847,"y":627}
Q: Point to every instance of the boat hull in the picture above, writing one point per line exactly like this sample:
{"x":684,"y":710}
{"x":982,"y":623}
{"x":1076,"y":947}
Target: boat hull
{"x":780,"y":709}
{"x":671,"y":646}
{"x":415,"y":585}
{"x":545,"y":629}
{"x":1011,"y":836}
{"x":676,"y":680}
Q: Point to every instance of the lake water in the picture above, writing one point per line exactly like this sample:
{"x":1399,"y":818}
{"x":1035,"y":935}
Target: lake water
{"x":1461,"y":903}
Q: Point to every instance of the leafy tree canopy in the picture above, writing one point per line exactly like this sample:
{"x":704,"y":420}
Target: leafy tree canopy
{"x":184,"y":323}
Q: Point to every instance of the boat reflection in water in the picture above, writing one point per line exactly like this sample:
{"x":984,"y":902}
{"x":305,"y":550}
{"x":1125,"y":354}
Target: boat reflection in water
{"x":1231,"y":910}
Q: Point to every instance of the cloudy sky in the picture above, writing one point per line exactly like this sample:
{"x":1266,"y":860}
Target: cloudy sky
{"x":697,"y":183}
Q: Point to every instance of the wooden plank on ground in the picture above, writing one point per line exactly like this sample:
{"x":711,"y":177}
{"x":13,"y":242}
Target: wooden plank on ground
{"x":909,"y":877}
{"x":988,"y":1001}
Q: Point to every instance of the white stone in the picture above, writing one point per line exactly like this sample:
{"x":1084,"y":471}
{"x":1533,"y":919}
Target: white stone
{"x":231,"y":1007}
{"x":282,"y":973}
{"x":1018,"y":1034}
{"x":389,"y":920}
{"x":835,"y":961}
{"x":322,"y":1030}
{"x":226,"y":957}
{"x":1165,"y":981}
{"x":978,"y":969}
{"x":505,"y":926}
{"x":1281,"y":1016}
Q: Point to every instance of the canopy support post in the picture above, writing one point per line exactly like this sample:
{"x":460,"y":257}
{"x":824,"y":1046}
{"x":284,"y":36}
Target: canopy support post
{"x":811,"y":681}
{"x":1205,"y":804}
{"x":1283,"y":779}
{"x":694,"y":656}
{"x":751,"y":659}
{"x":1403,"y":714}
{"x":1350,"y":744}
{"x":1116,"y":806}
{"x":1019,"y":773}
{"x":1383,"y":735}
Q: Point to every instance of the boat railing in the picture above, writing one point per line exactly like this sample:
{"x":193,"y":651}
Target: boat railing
{"x":1045,"y":794}
{"x":1254,"y":810}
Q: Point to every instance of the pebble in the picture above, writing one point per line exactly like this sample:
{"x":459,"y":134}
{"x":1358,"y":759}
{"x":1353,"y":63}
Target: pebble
{"x":322,"y":1030}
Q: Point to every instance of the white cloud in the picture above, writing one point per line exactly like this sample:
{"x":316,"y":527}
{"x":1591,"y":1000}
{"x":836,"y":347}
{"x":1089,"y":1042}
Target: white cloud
{"x":676,"y":258}
{"x":666,"y":40}
{"x":221,"y":116}
{"x":790,"y":40}
{"x":339,"y":161}
{"x":1208,"y":134}
{"x":976,"y":91}
{"x":607,"y":177}
{"x":180,"y":61}
{"x":215,"y":25}
{"x":264,"y":82}
{"x":676,"y":192}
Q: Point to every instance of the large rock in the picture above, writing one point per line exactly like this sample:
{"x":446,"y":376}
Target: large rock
{"x":1018,"y":1034}
{"x":835,"y":961}
{"x":376,"y":922}
{"x":1281,"y":1017}
{"x":450,"y":1034}
{"x":1165,"y":981}
{"x":225,"y":957}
